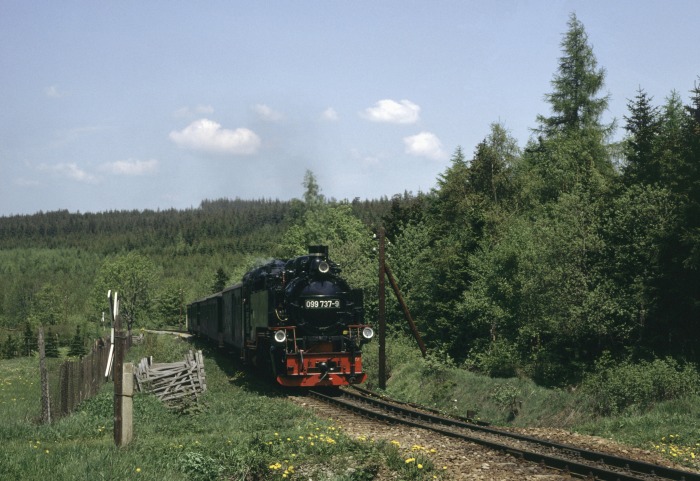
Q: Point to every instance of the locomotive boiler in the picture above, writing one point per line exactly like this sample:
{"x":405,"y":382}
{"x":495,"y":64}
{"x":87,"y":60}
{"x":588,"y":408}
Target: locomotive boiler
{"x":296,"y":319}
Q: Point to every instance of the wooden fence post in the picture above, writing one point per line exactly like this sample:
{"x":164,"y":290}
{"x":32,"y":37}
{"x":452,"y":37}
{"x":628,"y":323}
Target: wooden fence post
{"x":45,"y":399}
{"x":123,"y":380}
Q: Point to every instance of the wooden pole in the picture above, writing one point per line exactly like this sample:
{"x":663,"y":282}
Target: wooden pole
{"x":406,"y":312}
{"x":45,"y":399}
{"x":123,"y":382}
{"x":382,"y":309}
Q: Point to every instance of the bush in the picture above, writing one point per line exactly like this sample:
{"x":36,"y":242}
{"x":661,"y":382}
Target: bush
{"x":501,"y":359}
{"x":615,"y":388}
{"x":399,"y":350}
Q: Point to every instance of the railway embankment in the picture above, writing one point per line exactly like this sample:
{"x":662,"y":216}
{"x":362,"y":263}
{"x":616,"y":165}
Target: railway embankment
{"x":656,"y":429}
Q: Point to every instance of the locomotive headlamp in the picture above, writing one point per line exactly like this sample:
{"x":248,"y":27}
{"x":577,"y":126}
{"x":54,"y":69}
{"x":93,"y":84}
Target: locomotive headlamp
{"x":368,"y":333}
{"x":281,"y":336}
{"x":323,"y":267}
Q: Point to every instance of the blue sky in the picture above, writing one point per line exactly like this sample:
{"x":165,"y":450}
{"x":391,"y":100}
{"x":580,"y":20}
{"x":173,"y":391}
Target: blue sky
{"x":159,"y":104}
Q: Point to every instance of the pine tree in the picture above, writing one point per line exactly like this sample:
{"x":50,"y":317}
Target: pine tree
{"x":574,"y":103}
{"x":51,"y":347}
{"x":30,"y":343}
{"x":571,"y":149}
{"x":643,"y":126}
{"x":11,"y":347}
{"x":312,"y":191}
{"x":220,"y":280}
{"x":77,"y":345}
{"x":490,"y":170}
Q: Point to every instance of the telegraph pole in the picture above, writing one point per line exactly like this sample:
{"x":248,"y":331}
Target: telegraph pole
{"x":382,"y":310}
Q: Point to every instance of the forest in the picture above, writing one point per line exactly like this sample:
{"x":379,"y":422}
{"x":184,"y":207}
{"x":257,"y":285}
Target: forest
{"x":550,"y":260}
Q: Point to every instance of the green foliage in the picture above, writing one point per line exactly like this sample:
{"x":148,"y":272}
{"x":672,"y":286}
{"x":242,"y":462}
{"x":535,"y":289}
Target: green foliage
{"x":133,"y":277}
{"x":11,"y":348}
{"x":312,"y":191}
{"x":576,"y":84}
{"x":29,"y":341}
{"x":77,"y":345}
{"x":500,"y":359}
{"x":616,"y":387}
{"x":508,"y":397}
{"x":220,"y":280}
{"x":199,"y":466}
{"x":400,"y":350}
{"x":51,"y":344}
{"x":491,"y":170}
{"x":349,"y":242}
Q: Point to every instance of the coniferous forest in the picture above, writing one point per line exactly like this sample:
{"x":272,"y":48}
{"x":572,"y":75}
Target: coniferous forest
{"x":548,"y":260}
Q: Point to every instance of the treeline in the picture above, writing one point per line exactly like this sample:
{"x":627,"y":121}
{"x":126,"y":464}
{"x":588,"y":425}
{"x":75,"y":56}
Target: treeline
{"x":200,"y":229}
{"x":54,"y":266}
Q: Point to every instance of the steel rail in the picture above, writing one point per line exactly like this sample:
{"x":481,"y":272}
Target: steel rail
{"x":598,"y":463}
{"x":593,"y":456}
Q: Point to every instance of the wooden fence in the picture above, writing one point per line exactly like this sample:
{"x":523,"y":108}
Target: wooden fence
{"x":73,"y":381}
{"x":174,"y":382}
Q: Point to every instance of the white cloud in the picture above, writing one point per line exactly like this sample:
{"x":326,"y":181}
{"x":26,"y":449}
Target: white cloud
{"x":71,"y":171}
{"x":207,"y":136}
{"x":266,"y":113}
{"x":424,"y":144}
{"x":329,"y":115}
{"x":131,"y":167}
{"x":194,"y":111}
{"x":404,"y":112}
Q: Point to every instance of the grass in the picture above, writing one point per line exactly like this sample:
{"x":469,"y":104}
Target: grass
{"x":245,"y":430}
{"x":671,"y":428}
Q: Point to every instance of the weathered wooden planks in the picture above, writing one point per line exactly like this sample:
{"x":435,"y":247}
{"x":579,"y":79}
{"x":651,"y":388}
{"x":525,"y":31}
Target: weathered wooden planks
{"x":175,"y":381}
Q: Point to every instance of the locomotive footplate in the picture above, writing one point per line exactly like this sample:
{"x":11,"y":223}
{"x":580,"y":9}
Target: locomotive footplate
{"x":307,"y":369}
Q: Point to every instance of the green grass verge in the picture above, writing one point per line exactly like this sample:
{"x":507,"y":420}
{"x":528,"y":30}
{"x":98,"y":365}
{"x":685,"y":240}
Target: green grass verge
{"x":671,"y":428}
{"x":245,"y":430}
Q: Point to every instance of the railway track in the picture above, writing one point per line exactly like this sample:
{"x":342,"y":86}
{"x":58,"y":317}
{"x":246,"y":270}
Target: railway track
{"x":566,"y":459}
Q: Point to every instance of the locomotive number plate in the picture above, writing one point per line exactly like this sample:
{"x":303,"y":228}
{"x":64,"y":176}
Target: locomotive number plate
{"x":322,"y":303}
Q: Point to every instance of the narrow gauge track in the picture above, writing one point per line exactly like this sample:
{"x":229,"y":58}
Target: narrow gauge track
{"x":566,"y":458}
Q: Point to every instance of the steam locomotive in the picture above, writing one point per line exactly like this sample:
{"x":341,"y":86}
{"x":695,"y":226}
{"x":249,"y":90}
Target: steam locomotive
{"x":297,"y":320}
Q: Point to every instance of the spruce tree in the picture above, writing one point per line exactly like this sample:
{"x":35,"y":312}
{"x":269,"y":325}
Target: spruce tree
{"x":11,"y":347}
{"x":30,"y":343}
{"x":571,"y":150}
{"x":579,"y":80}
{"x":77,"y":345}
{"x":643,"y":126}
{"x":491,"y":169}
{"x":220,"y":280}
{"x":51,"y":347}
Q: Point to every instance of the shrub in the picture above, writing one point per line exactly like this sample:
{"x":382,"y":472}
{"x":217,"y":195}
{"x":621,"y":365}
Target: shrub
{"x":615,"y":388}
{"x":501,"y":359}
